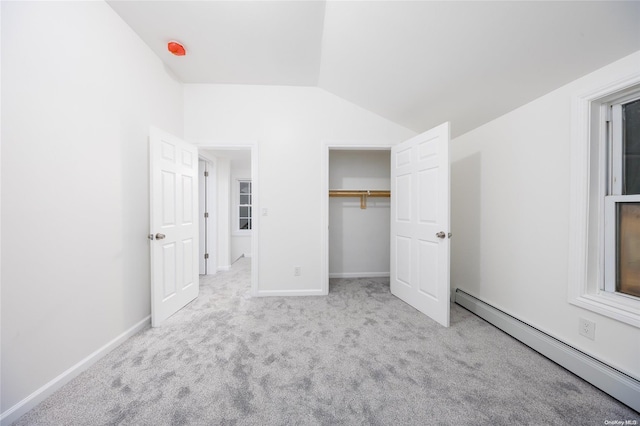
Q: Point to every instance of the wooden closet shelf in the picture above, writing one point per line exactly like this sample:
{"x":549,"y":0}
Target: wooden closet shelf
{"x":362,"y":193}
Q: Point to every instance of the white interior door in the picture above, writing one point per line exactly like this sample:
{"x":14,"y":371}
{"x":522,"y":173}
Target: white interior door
{"x":420,"y":222}
{"x":174,"y":225}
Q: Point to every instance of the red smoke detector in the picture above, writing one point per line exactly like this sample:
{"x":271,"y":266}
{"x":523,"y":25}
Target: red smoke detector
{"x":176,"y":48}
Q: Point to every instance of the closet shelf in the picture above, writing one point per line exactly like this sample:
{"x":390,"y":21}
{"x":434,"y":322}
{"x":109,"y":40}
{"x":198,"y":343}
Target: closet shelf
{"x":363,"y":194}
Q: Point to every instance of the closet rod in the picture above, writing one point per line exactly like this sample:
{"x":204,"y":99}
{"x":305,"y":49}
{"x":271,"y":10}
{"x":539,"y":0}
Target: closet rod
{"x":363,"y":194}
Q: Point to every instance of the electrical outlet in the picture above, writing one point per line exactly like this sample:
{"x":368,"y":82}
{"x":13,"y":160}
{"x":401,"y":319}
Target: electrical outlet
{"x":587,"y":329}
{"x":297,"y":271}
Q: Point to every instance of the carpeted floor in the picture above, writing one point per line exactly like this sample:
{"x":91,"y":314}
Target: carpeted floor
{"x":359,"y":357}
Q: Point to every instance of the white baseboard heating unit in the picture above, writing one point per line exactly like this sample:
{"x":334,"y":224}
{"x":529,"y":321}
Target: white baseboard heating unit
{"x":622,"y":387}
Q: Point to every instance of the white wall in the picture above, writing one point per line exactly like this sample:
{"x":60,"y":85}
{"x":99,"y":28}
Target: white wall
{"x":359,"y":239}
{"x":79,"y":92}
{"x":289,"y":124}
{"x":510,"y":218}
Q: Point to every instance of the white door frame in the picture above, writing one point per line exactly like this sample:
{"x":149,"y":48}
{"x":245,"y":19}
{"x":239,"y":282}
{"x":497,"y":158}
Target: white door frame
{"x":255,"y":188}
{"x":326,"y":146}
{"x":210,"y":237}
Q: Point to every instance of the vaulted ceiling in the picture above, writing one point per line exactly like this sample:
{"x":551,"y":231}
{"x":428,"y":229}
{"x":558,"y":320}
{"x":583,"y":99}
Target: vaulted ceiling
{"x":417,"y":63}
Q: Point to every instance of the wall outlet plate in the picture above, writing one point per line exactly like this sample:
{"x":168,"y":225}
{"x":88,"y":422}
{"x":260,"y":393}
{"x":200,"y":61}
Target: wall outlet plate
{"x":587,"y":329}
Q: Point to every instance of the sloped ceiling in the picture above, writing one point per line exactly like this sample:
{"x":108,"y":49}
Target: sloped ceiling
{"x":417,"y":63}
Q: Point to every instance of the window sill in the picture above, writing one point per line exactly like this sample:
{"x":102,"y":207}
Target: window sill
{"x":621,"y":308}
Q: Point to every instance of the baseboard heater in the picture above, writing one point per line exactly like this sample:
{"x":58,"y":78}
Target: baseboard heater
{"x":622,"y":387}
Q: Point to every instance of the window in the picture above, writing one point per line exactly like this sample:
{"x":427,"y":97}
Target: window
{"x":244,"y":205}
{"x":622,"y":203}
{"x":604,"y":251}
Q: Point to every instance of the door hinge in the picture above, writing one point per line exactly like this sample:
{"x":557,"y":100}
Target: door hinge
{"x":206,"y":214}
{"x":206,"y":174}
{"x":206,"y":255}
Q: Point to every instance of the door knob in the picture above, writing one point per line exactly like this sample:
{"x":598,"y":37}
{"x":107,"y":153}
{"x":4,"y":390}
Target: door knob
{"x":160,"y":236}
{"x":440,"y":235}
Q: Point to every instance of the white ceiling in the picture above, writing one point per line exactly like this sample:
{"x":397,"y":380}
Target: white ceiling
{"x":417,"y":63}
{"x":240,"y":158}
{"x":236,"y":42}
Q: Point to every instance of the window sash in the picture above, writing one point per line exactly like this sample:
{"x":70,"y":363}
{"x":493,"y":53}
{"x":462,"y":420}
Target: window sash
{"x":611,"y":240}
{"x":617,"y":154}
{"x":617,"y":144}
{"x":615,"y":190}
{"x":244,"y":209}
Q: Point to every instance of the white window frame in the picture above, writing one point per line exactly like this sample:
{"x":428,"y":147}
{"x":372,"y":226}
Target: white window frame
{"x":237,"y":205}
{"x":591,"y":207}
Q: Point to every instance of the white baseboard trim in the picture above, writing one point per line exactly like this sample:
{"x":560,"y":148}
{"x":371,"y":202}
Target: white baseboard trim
{"x":270,"y":293}
{"x":622,"y":387}
{"x":359,"y":274}
{"x":31,"y":401}
{"x":241,"y":256}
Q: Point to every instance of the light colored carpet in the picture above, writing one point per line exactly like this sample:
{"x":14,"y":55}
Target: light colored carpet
{"x":358,"y":356}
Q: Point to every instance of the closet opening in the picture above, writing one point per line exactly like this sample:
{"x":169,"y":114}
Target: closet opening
{"x":359,"y":185}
